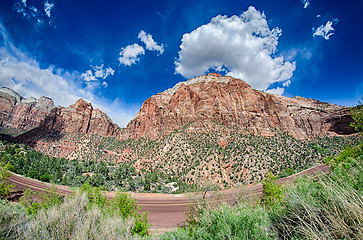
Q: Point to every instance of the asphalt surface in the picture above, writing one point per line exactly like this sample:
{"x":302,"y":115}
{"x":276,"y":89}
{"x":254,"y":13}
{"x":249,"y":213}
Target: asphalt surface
{"x":167,"y":211}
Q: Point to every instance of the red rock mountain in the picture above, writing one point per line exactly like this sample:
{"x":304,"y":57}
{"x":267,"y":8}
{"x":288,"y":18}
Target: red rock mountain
{"x":231,"y":101}
{"x":206,"y":99}
{"x":80,"y":118}
{"x":18,"y":112}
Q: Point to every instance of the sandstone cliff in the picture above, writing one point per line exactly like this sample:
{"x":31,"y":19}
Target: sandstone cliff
{"x":205,"y":101}
{"x":18,"y":112}
{"x":230,"y":102}
{"x":80,"y":118}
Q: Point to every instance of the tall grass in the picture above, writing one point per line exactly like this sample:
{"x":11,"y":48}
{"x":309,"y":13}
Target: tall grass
{"x":327,"y":207}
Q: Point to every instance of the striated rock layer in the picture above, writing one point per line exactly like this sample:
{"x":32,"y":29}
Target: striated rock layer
{"x":21,"y":113}
{"x":230,"y":102}
{"x":80,"y":118}
{"x":204,"y":100}
{"x":41,"y":115}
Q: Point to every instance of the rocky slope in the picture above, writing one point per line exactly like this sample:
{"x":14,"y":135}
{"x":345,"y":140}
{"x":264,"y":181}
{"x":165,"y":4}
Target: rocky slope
{"x":230,"y":101}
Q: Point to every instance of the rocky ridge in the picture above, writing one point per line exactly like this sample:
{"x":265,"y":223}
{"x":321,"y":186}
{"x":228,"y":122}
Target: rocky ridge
{"x":230,"y":101}
{"x":204,"y":101}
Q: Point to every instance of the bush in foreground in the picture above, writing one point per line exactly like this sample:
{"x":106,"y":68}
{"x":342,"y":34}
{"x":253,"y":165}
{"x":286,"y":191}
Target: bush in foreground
{"x":86,"y":215}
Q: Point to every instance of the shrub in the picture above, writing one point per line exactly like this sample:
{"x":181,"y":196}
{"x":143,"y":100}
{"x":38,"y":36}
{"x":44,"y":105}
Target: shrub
{"x":73,"y":219}
{"x":272,"y":192}
{"x":226,"y":222}
{"x":12,"y":218}
{"x":124,"y":206}
{"x":5,"y":186}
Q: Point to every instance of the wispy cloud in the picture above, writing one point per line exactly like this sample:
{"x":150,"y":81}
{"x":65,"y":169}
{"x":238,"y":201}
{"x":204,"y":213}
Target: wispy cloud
{"x":306,"y":3}
{"x":96,"y":74}
{"x":327,"y":30}
{"x":151,"y":45}
{"x":243,"y":46}
{"x":48,"y":8}
{"x":33,"y":14}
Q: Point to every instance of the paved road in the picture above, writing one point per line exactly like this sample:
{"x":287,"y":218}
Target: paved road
{"x":167,"y":211}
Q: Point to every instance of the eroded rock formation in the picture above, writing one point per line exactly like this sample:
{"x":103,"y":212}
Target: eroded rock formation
{"x":231,"y":101}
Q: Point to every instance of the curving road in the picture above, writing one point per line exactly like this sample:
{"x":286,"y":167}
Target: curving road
{"x":167,"y":211}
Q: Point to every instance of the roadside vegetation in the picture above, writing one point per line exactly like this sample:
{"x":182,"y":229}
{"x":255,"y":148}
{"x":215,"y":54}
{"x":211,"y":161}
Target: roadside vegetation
{"x":85,"y":215}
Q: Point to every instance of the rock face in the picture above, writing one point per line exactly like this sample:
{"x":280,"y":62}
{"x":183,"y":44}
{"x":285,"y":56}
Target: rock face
{"x":27,"y":114}
{"x":21,"y":113}
{"x":230,"y":102}
{"x":206,"y":99}
{"x":80,"y":118}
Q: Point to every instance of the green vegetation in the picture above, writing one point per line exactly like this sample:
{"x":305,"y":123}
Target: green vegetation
{"x":177,"y":163}
{"x":324,"y":207}
{"x":5,"y":186}
{"x":357,"y":114}
{"x":272,"y":192}
{"x":86,"y":215}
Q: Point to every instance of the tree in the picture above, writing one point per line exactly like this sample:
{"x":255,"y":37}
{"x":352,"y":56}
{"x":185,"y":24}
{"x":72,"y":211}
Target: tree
{"x":5,"y":186}
{"x":357,"y":115}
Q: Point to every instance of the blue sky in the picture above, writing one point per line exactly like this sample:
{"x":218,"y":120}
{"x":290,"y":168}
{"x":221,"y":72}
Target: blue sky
{"x":117,"y":54}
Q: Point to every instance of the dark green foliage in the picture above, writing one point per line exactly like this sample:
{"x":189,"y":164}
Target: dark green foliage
{"x":322,"y":207}
{"x":357,"y":115}
{"x":5,"y":186}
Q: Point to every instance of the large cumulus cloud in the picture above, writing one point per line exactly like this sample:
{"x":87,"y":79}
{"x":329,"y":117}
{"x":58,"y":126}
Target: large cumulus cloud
{"x":243,"y":46}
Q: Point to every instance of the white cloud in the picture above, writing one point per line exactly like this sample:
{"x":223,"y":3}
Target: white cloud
{"x":243,"y":46}
{"x":278,"y":91}
{"x":306,"y":3}
{"x":129,"y":55}
{"x":24,"y":75}
{"x":148,"y":40}
{"x":326,"y":30}
{"x":48,"y":8}
{"x":97,"y":73}
{"x":103,"y":73}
